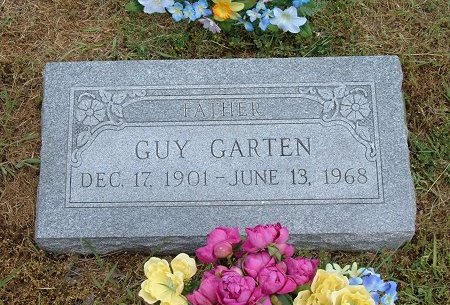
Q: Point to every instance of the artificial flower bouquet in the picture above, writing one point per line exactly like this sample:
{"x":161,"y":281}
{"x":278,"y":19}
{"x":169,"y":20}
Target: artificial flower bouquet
{"x":217,"y":15}
{"x":261,"y":269}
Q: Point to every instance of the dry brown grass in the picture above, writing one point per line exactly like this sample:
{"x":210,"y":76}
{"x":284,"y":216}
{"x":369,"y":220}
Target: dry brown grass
{"x":35,"y":32}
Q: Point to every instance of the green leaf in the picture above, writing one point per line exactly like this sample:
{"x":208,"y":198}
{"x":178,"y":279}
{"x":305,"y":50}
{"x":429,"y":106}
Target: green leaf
{"x":225,"y":26}
{"x":134,"y":6}
{"x":98,"y":258}
{"x":248,"y":4}
{"x":273,"y":251}
{"x":7,"y":279}
{"x":109,"y":275}
{"x":273,"y":28}
{"x":96,"y":282}
{"x":311,"y":8}
{"x":30,"y":162}
{"x":306,"y":30}
{"x":302,"y":288}
{"x":284,"y":299}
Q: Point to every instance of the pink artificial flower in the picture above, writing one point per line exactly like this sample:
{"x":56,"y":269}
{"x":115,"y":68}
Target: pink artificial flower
{"x":261,"y":237}
{"x":207,"y":292}
{"x":219,"y":244}
{"x":255,"y":262}
{"x":273,"y":280}
{"x":236,"y":289}
{"x":301,"y":270}
{"x":286,"y":250}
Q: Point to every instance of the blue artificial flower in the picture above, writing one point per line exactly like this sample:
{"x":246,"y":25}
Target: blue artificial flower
{"x":260,"y":6}
{"x":373,"y":283}
{"x":253,"y":14}
{"x":298,"y":3}
{"x":266,"y":14}
{"x":201,"y":9}
{"x":390,"y":293}
{"x":375,"y":296}
{"x":177,"y":11}
{"x":368,"y":271}
{"x":391,"y":288}
{"x":388,"y":300}
{"x":189,"y":12}
{"x":264,"y":23}
{"x":248,"y":25}
{"x":383,"y":293}
{"x":355,"y":281}
{"x":261,"y":13}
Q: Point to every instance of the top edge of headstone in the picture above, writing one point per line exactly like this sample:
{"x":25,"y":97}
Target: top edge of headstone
{"x":392,"y":57}
{"x":381,"y":69}
{"x":393,"y":60}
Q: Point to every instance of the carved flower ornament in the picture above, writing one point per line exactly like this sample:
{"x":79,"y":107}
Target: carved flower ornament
{"x":90,"y":111}
{"x":355,"y":107}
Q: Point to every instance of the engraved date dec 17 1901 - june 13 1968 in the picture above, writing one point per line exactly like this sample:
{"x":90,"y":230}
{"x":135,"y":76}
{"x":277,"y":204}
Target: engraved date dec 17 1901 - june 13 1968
{"x":203,"y":178}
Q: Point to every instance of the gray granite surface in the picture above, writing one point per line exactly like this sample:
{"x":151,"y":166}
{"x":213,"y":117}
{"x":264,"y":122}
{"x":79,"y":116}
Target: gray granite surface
{"x":145,"y":155}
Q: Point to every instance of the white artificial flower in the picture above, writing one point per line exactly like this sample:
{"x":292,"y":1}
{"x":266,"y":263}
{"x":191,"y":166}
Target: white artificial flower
{"x":156,"y":6}
{"x":287,"y":20}
{"x":354,"y":271}
{"x":335,"y":268}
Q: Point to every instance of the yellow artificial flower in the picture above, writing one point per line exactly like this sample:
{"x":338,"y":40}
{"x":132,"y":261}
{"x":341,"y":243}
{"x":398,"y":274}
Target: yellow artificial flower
{"x":352,"y":295}
{"x":323,"y":285}
{"x":226,"y":9}
{"x":155,"y":265}
{"x":308,"y":298}
{"x":184,"y":264}
{"x":302,"y":297}
{"x":148,"y":298}
{"x":165,"y":287}
{"x":326,"y":282}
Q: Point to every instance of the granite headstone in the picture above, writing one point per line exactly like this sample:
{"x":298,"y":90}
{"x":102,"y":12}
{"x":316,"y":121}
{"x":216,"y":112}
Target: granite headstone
{"x":141,"y":155}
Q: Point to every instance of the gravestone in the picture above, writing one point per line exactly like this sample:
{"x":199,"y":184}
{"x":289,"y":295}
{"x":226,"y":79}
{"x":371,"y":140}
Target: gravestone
{"x":144,"y":155}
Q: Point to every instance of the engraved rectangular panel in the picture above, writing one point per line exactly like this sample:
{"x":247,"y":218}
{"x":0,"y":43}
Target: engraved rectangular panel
{"x":232,"y":145}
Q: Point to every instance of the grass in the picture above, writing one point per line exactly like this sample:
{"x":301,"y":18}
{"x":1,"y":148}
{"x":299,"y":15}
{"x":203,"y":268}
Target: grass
{"x":35,"y":32}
